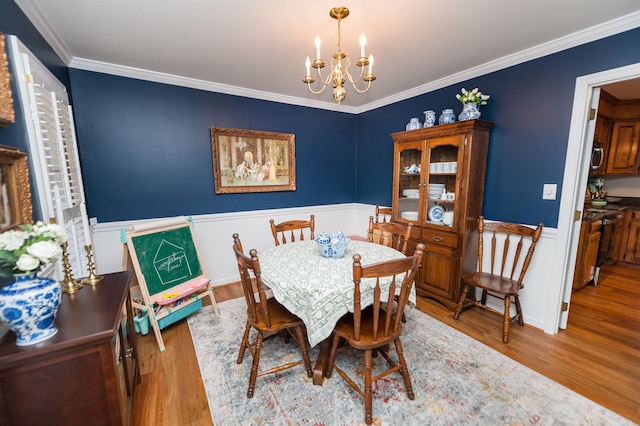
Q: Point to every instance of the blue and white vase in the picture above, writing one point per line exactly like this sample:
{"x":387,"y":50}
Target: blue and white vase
{"x":29,"y":306}
{"x":447,"y":116}
{"x":470,"y":111}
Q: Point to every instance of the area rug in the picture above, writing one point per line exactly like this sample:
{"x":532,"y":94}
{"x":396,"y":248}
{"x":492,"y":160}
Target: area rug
{"x":456,"y":380}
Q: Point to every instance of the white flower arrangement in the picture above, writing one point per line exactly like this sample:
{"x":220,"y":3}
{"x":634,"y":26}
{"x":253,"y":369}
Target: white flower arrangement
{"x":474,"y":96}
{"x":27,"y":250}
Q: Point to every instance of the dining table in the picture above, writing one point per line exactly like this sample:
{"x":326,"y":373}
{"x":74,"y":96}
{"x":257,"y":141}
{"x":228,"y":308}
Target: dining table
{"x":320,"y":290}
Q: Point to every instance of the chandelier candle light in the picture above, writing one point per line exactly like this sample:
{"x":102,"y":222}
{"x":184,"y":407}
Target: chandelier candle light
{"x":340,"y":63}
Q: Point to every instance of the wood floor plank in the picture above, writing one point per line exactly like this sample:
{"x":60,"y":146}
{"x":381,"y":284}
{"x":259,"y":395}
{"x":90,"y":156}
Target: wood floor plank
{"x":597,"y":355}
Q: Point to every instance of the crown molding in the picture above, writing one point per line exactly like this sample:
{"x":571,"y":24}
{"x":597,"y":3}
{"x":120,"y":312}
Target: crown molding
{"x":606,"y":29}
{"x":38,"y":20}
{"x":209,"y":86}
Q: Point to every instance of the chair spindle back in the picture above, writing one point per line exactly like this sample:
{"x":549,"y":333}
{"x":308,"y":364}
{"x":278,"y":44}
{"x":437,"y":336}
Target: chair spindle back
{"x":390,"y":234}
{"x":519,"y":235}
{"x":288,"y":228}
{"x":384,"y":211}
{"x":248,"y":266}
{"x":386,"y":323}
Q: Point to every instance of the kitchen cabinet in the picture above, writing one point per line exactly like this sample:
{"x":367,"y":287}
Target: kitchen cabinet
{"x":450,"y":156}
{"x":611,"y":234}
{"x":587,"y":258}
{"x":623,"y":150}
{"x":630,"y":244}
{"x":86,"y":373}
{"x":601,"y":144}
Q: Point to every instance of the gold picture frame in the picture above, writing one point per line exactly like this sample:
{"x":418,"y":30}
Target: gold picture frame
{"x":7,"y":113}
{"x":15,"y":191}
{"x":252,"y":161}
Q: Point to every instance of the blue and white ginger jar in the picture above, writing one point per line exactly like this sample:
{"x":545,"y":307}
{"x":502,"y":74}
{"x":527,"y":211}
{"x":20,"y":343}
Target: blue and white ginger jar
{"x":447,"y":117}
{"x":29,"y":306}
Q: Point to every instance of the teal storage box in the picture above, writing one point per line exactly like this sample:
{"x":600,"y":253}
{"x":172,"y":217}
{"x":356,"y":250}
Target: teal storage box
{"x":179,"y":314}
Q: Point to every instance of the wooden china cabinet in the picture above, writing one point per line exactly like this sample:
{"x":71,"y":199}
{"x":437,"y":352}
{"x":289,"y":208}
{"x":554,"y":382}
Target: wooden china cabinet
{"x":453,"y":155}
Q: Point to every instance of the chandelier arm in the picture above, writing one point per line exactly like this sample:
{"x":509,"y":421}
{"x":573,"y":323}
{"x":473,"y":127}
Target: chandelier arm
{"x":324,"y":81}
{"x":362,"y":91}
{"x":351,"y":80}
{"x":314,"y":91}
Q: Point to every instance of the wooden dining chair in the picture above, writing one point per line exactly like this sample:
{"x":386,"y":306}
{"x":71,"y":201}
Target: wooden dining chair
{"x":373,"y":328}
{"x":281,"y":230}
{"x":266,"y":316}
{"x":390,"y":234}
{"x":383,"y":213}
{"x":505,"y":274}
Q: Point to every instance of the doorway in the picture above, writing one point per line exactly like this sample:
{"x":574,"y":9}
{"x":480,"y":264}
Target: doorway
{"x":574,"y":181}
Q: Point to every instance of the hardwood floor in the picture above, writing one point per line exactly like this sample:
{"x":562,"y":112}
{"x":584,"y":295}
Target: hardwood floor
{"x":597,"y":356}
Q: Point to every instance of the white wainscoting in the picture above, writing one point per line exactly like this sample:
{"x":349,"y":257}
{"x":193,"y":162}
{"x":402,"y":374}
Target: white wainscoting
{"x":214,"y":236}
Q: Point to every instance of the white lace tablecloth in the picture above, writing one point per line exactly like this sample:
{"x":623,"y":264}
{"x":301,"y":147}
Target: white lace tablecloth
{"x":317,"y":289}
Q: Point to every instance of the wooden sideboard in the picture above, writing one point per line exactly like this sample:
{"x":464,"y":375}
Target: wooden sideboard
{"x":86,"y":373}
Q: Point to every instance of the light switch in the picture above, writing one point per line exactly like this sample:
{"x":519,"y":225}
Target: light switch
{"x":549,"y":191}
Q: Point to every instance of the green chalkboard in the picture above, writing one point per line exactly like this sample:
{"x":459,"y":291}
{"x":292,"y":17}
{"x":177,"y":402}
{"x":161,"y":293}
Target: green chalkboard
{"x":167,"y":258}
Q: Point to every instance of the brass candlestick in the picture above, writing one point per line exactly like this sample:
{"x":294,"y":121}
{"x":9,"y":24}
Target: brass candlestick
{"x":92,"y":279}
{"x":68,"y":284}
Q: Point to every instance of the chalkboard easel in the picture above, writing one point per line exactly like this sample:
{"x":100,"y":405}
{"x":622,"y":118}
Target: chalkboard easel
{"x":170,"y":275}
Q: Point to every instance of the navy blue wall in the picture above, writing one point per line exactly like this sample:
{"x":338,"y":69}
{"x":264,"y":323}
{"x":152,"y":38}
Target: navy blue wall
{"x":146,"y":148}
{"x":530,"y":106}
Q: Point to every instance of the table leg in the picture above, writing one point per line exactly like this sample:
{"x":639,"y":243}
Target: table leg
{"x":321,"y":363}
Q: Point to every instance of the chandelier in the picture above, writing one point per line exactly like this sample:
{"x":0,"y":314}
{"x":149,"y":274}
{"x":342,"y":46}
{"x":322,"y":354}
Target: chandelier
{"x":340,"y":63}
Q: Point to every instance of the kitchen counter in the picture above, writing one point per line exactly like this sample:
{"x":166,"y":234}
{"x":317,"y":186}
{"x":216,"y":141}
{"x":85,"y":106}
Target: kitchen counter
{"x":611,"y":209}
{"x":592,"y":214}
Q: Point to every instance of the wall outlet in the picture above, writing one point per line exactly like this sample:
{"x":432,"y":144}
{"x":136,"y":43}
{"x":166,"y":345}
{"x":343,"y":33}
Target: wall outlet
{"x":549,"y":191}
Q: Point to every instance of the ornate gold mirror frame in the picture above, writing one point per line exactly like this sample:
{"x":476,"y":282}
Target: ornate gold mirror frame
{"x":15,"y":191}
{"x":7,"y":114}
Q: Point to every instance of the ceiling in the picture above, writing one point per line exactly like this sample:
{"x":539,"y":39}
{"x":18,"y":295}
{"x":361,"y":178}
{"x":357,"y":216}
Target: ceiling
{"x":257,"y":48}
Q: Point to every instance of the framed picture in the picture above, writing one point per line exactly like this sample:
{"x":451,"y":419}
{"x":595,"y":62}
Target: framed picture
{"x":7,"y":113}
{"x":252,"y":161}
{"x":15,"y":192}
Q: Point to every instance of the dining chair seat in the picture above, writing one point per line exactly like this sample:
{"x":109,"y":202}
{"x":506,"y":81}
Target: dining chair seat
{"x":494,"y":283}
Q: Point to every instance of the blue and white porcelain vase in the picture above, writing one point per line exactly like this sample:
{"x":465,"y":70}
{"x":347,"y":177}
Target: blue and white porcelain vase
{"x":447,"y":116}
{"x":470,"y":111}
{"x":29,"y":306}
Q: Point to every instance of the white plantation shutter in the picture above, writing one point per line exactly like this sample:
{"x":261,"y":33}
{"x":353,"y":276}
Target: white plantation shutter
{"x":52,"y":149}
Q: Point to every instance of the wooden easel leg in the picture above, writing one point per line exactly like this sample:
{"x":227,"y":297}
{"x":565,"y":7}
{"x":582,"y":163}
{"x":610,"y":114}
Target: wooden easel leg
{"x":213,"y":301}
{"x":156,"y":331}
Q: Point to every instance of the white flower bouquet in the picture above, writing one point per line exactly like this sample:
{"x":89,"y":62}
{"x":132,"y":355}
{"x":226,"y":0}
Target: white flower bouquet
{"x":474,"y":96}
{"x":26,"y":251}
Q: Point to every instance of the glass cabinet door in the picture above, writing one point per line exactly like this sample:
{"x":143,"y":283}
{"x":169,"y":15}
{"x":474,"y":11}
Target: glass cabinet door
{"x":409,"y":181}
{"x":442,"y":181}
